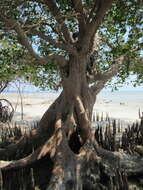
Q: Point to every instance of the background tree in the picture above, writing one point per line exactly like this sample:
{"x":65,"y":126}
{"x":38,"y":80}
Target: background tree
{"x":15,"y":63}
{"x":83,"y":44}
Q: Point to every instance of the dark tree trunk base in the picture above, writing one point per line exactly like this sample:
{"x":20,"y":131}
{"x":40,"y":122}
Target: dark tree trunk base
{"x":64,"y":169}
{"x":62,"y":156}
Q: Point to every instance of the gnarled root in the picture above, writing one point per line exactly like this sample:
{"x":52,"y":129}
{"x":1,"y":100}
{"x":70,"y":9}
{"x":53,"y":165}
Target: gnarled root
{"x":23,"y":146}
{"x":34,"y":138}
{"x":61,"y":155}
{"x":70,"y":164}
{"x":90,"y":168}
{"x":132,"y":164}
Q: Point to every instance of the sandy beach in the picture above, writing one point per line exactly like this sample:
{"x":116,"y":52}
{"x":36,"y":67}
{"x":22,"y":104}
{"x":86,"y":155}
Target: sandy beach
{"x":34,"y":105}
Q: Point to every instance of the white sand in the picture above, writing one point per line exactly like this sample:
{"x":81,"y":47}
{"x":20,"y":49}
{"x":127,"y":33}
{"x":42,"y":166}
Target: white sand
{"x":34,"y":106}
{"x":128,"y":111}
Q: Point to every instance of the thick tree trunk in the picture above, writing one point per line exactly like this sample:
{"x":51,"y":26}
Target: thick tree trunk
{"x":65,"y":150}
{"x":64,"y":128}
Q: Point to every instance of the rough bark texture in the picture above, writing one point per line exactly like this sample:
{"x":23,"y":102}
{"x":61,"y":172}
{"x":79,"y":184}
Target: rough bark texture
{"x":63,"y":153}
{"x":64,"y":128}
{"x":64,"y":148}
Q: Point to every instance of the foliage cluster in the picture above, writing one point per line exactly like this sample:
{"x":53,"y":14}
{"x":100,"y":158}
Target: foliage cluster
{"x":120,"y":34}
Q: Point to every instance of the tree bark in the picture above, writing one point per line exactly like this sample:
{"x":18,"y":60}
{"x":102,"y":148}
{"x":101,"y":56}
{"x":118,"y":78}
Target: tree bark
{"x":66,"y":142}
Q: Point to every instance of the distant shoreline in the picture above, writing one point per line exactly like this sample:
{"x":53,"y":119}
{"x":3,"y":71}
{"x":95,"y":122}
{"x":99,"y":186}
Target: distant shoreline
{"x":28,"y":91}
{"x":117,"y":105}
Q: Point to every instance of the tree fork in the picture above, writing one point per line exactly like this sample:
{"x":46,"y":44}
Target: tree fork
{"x":69,"y":140}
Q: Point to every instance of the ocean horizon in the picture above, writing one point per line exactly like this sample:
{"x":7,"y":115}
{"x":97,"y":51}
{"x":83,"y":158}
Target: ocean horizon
{"x":123,"y":104}
{"x":123,"y":94}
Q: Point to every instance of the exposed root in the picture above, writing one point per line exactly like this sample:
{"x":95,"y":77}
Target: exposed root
{"x":75,"y":164}
{"x":64,"y":159}
{"x":35,"y":138}
{"x":23,"y":146}
{"x":82,"y":170}
{"x":24,"y":162}
{"x":132,"y":164}
{"x":48,"y":147}
{"x":6,"y":111}
{"x":4,"y":164}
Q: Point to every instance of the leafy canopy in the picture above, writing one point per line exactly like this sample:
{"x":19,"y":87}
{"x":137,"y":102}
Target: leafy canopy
{"x":119,"y":34}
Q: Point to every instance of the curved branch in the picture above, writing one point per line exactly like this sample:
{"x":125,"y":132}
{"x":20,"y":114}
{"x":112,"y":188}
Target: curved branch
{"x":103,"y":78}
{"x":48,"y":147}
{"x":56,"y":13}
{"x":101,"y":10}
{"x":7,"y":165}
{"x":78,"y":7}
{"x":22,"y":37}
{"x":55,"y":43}
{"x":3,"y":85}
{"x":60,"y":60}
{"x":93,"y":10}
{"x":23,"y":40}
{"x":10,"y":112}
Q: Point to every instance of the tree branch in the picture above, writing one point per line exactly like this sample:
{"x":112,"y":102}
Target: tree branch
{"x":101,"y":10}
{"x":60,"y":20}
{"x":93,"y":10}
{"x":23,"y":40}
{"x":55,"y":43}
{"x":53,"y":57}
{"x":103,"y":78}
{"x":78,"y":7}
{"x":77,"y":4}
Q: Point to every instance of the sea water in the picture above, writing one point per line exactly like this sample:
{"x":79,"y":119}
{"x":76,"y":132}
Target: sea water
{"x":123,"y":104}
{"x":122,"y":95}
